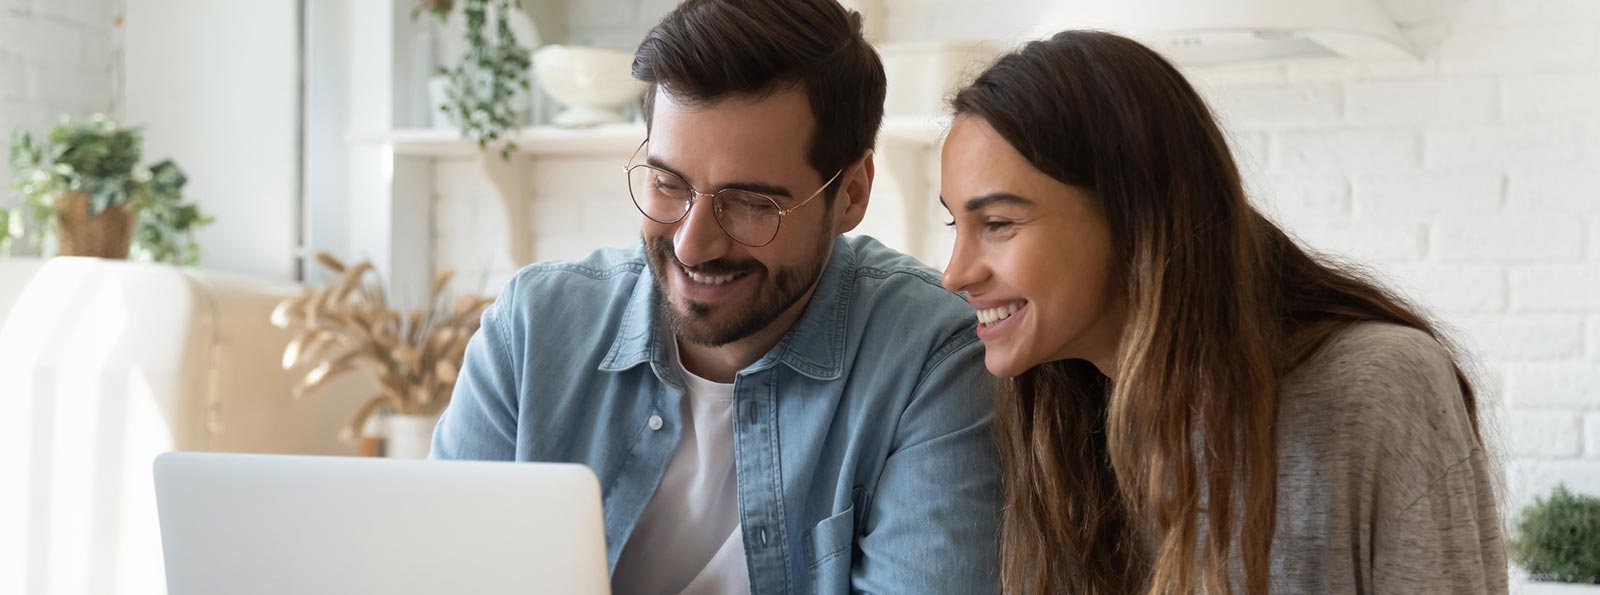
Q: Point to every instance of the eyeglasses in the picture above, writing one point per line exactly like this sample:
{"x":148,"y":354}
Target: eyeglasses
{"x":750,"y":218}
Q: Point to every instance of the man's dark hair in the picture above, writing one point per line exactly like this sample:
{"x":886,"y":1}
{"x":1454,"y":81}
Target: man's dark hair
{"x":708,"y":50}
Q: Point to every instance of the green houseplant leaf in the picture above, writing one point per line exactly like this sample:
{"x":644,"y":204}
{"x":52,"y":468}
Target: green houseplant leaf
{"x":166,"y":223}
{"x":10,"y":229}
{"x":25,"y":154}
{"x":1558,"y":538}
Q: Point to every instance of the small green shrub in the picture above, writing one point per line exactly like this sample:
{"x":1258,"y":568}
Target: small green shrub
{"x":1558,"y":539}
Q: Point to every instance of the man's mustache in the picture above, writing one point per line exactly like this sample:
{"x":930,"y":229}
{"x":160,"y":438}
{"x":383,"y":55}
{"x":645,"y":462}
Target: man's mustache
{"x":665,"y":253}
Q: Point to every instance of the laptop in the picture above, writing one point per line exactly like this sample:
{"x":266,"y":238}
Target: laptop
{"x":273,"y":524}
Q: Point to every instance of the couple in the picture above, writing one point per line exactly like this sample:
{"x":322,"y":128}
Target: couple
{"x":772,"y":407}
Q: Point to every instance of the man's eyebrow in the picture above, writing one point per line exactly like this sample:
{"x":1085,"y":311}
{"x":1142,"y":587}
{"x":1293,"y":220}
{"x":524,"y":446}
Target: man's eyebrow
{"x":657,"y":163}
{"x":977,"y":203}
{"x":756,"y":187}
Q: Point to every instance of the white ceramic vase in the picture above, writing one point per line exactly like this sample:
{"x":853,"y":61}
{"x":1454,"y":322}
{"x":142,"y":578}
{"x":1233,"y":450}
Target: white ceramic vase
{"x":408,"y":436}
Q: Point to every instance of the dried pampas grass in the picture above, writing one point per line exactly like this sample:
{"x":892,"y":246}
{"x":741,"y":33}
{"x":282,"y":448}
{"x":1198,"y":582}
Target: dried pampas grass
{"x":348,"y":325}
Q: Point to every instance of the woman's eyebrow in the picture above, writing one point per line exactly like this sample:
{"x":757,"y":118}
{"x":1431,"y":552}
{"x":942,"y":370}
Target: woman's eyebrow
{"x":977,"y":203}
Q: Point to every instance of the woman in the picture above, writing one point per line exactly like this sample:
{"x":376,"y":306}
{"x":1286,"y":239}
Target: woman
{"x":1175,"y":363}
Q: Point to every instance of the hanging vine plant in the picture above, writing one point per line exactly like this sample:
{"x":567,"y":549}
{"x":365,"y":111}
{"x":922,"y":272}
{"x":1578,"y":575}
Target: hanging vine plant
{"x":484,"y":87}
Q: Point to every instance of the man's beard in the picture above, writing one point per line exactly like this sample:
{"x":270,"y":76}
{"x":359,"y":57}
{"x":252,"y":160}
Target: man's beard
{"x":718,"y":325}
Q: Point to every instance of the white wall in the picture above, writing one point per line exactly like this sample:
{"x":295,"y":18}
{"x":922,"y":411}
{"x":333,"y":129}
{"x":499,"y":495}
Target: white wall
{"x":1470,"y":178}
{"x":326,"y":215}
{"x":216,"y":84}
{"x":55,"y":59}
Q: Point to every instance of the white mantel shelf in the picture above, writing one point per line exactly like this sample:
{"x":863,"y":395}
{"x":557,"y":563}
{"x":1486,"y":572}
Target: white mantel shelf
{"x":601,"y":140}
{"x":535,"y":141}
{"x":901,"y":158}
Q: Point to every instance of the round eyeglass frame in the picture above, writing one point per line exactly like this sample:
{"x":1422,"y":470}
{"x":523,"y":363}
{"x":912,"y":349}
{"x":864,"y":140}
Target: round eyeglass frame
{"x":695,"y":194}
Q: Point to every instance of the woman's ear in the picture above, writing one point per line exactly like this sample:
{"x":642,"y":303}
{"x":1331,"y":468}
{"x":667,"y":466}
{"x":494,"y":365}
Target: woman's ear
{"x":851,"y":205}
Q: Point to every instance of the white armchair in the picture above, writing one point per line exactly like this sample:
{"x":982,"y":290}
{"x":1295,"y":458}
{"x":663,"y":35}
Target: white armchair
{"x":104,"y":365}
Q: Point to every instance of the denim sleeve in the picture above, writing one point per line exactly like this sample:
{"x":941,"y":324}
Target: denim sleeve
{"x":481,"y":421}
{"x":933,"y":524}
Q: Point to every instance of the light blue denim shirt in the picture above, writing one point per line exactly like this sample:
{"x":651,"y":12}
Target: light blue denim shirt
{"x":862,"y":444}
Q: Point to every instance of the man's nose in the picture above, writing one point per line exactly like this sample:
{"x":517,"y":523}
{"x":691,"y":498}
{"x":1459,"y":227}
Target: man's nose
{"x":699,"y":238}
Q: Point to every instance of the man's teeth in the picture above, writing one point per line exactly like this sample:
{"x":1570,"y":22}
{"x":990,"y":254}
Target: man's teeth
{"x":993,"y":315}
{"x":709,"y":279}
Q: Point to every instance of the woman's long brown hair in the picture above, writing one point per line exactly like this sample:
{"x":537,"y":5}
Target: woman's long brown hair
{"x":1138,"y":486}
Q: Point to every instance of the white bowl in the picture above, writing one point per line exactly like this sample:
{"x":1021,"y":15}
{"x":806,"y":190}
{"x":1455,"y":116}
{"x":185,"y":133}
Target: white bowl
{"x":591,"y":83}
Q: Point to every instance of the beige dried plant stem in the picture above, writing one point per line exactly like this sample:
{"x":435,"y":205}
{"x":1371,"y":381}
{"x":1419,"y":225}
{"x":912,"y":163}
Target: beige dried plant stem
{"x":413,"y":357}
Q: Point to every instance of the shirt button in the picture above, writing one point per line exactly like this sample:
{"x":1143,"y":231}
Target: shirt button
{"x":655,"y":422}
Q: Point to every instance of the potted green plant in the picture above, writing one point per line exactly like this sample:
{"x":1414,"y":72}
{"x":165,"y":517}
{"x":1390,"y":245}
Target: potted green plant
{"x":490,"y":82}
{"x":1558,"y":541}
{"x":83,"y":184}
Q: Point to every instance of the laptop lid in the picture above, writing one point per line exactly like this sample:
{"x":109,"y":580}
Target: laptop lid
{"x":273,"y":524}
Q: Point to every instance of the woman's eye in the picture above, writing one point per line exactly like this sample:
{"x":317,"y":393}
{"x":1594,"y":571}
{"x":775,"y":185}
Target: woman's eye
{"x":996,"y":225}
{"x":950,"y":223}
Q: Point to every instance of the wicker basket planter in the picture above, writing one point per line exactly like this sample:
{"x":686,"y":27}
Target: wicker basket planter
{"x":107,"y":235}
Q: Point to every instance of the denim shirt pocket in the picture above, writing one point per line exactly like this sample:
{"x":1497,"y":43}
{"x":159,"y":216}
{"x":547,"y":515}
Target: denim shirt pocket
{"x":828,"y":548}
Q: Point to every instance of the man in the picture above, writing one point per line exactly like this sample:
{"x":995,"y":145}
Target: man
{"x":770,"y":407}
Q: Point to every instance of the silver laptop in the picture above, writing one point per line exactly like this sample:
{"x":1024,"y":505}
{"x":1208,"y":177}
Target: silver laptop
{"x":271,"y":524}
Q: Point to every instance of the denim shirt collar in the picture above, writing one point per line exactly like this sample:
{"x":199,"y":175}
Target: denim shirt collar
{"x":814,"y":346}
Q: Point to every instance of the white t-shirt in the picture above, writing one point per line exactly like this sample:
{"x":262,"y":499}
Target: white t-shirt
{"x":688,"y":540}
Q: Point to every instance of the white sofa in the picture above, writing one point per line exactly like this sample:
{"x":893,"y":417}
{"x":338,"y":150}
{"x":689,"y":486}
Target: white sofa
{"x":104,"y":365}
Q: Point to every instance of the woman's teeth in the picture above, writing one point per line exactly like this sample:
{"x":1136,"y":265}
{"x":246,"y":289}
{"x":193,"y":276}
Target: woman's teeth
{"x":994,"y":315}
{"x":709,"y":279}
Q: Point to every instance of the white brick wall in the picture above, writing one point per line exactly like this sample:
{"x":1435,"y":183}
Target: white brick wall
{"x":1555,"y":190}
{"x":1561,"y":386}
{"x":1247,"y":105}
{"x":1453,"y":289}
{"x":1414,"y":196}
{"x":1531,"y":237}
{"x":1479,"y":146}
{"x":1538,"y":95}
{"x":1469,"y":178}
{"x":1368,"y":242}
{"x":1524,"y":338}
{"x":1556,"y":288}
{"x":1591,"y":435}
{"x":55,"y":59}
{"x":471,"y":232}
{"x":1592,"y":344}
{"x":1548,"y":434}
{"x":1421,"y":101}
{"x":1347,"y":150}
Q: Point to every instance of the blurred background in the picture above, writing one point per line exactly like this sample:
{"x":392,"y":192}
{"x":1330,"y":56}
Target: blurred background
{"x":1451,"y":145}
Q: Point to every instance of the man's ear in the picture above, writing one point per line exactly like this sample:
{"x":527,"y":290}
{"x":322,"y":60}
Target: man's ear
{"x":851,"y":204}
